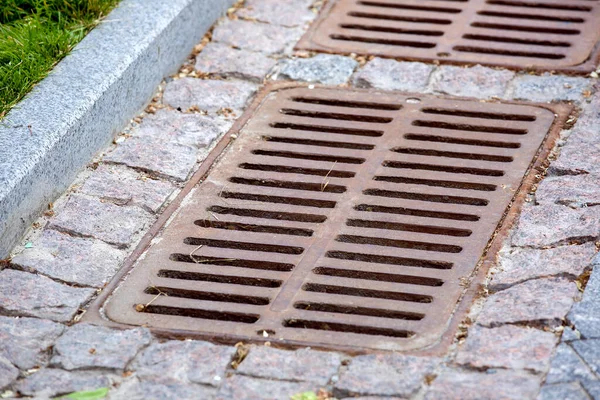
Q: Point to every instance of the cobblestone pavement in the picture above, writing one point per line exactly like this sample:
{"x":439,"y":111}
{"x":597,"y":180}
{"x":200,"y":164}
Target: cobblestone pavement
{"x":532,"y":334}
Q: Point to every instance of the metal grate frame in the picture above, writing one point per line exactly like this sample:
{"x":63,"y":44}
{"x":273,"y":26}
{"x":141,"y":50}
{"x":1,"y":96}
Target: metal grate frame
{"x":542,"y":35}
{"x":358,"y":235}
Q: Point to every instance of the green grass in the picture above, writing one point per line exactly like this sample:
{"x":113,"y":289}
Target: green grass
{"x":37,"y":34}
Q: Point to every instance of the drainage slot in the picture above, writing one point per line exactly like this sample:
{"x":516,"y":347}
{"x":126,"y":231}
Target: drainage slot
{"x":485,"y":50}
{"x":452,"y":154}
{"x":437,"y":183}
{"x":468,"y":142}
{"x":279,"y":200}
{"x":236,"y":226}
{"x":313,"y":187}
{"x":207,"y":296}
{"x":469,"y":128}
{"x":388,"y":17}
{"x":233,"y":262}
{"x":305,"y":156}
{"x":416,"y":212}
{"x":322,"y":143}
{"x":277,"y":215}
{"x":386,"y":29}
{"x":403,"y":244}
{"x":202,"y":314}
{"x":378,"y":276}
{"x":336,"y":116}
{"x":521,"y":28}
{"x":337,"y":327}
{"x":435,"y":198}
{"x":392,"y":42}
{"x":345,"y":103}
{"x":432,"y":230}
{"x":376,"y":294}
{"x":226,"y":244}
{"x":478,"y":114}
{"x":284,"y":169}
{"x":503,"y":39}
{"x":443,"y":168}
{"x":234,"y":280}
{"x":370,"y":312}
{"x":377,"y":259}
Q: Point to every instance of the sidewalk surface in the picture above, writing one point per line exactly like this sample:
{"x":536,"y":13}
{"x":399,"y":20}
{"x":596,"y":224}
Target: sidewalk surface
{"x":534,"y":332}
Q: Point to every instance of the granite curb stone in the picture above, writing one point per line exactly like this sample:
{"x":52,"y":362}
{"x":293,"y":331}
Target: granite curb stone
{"x":87,"y":98}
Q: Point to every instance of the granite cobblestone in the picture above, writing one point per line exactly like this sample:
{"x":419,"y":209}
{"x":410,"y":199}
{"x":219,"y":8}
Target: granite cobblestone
{"x":381,"y":73}
{"x":477,"y":81}
{"x":258,"y":37}
{"x":322,"y":68}
{"x":224,"y":61}
{"x":288,"y":13}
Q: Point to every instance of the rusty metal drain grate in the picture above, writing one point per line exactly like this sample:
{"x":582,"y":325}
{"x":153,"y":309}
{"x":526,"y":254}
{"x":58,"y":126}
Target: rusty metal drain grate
{"x":337,"y":218}
{"x":534,"y":34}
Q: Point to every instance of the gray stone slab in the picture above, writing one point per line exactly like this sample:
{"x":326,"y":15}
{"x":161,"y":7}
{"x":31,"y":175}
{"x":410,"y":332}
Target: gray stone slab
{"x":517,"y":265}
{"x":125,"y":186}
{"x":574,"y":191}
{"x":510,"y":347}
{"x":278,"y":12}
{"x":70,"y":259}
{"x":547,"y":88}
{"x":299,"y":365}
{"x":246,"y":388}
{"x":208,"y":95}
{"x":183,"y":361}
{"x":455,"y":384}
{"x":29,"y":295}
{"x":8,"y":373}
{"x":256,"y":36}
{"x":384,"y":375}
{"x":538,"y":301}
{"x":224,"y":61}
{"x":593,"y":388}
{"x":89,"y":217}
{"x":88,"y":97}
{"x":50,"y":382}
{"x":563,"y":391}
{"x":567,"y":366}
{"x":382,"y":73}
{"x":477,"y":81}
{"x":134,"y":389}
{"x":551,"y":225}
{"x":589,"y":350}
{"x":322,"y":68}
{"x":585,"y":315}
{"x":85,"y":346}
{"x":25,"y":341}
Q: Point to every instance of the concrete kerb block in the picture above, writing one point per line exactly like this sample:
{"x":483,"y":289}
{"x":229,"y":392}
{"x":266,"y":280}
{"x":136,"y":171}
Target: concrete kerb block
{"x":89,"y":97}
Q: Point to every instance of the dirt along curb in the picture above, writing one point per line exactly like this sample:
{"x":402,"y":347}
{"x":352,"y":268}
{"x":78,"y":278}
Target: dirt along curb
{"x":88,"y":98}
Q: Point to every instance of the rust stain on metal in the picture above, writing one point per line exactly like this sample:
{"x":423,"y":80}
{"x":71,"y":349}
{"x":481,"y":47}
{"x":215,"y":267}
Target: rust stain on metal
{"x":546,"y":35}
{"x":337,"y":218}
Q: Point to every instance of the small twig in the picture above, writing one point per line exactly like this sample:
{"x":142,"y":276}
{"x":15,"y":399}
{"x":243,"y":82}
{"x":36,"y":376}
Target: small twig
{"x":193,"y":251}
{"x":326,"y":176}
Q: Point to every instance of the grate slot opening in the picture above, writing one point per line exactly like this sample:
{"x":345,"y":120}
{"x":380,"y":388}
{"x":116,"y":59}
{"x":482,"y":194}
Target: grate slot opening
{"x":306,"y":156}
{"x":386,"y":29}
{"x":337,"y":116}
{"x":306,"y":186}
{"x":438,"y":183}
{"x":279,"y":200}
{"x":277,"y":215}
{"x":231,"y":262}
{"x":207,"y":296}
{"x":485,"y":50}
{"x":346,"y":103}
{"x":522,"y":28}
{"x":452,"y":154}
{"x":201,"y":314}
{"x":337,"y":327}
{"x":576,"y":20}
{"x":416,"y":213}
{"x":227,"y":244}
{"x":510,"y":3}
{"x":234,"y":280}
{"x":502,"y":39}
{"x":371,"y":293}
{"x":379,"y":276}
{"x":395,"y":226}
{"x":322,"y":143}
{"x":402,"y":244}
{"x":469,"y":128}
{"x":328,"y":129}
{"x":236,"y":226}
{"x":285,"y":169}
{"x":392,"y":42}
{"x":478,"y":114}
{"x":411,"y":7}
{"x":468,"y":142}
{"x":435,"y":198}
{"x":370,"y":312}
{"x":443,"y":168}
{"x":378,"y":259}
{"x":386,"y":17}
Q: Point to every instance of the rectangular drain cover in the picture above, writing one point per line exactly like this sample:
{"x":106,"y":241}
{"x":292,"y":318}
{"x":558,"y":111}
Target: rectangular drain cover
{"x":536,"y":34}
{"x":336,"y":218}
